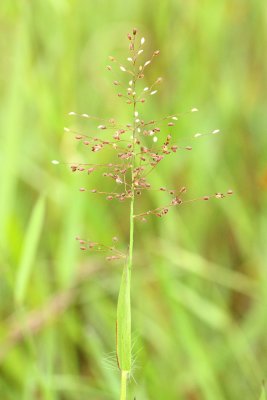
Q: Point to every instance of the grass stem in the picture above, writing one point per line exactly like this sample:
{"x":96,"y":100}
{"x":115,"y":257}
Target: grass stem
{"x":124,"y":375}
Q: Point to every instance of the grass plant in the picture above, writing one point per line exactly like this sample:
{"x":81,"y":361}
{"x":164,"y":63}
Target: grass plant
{"x":140,"y":146}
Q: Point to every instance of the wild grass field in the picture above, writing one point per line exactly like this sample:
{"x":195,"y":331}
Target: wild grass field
{"x":199,"y":285}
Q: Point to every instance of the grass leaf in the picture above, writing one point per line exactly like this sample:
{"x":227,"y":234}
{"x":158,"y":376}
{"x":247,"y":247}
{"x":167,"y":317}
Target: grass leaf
{"x":263,"y":393}
{"x":124,"y":323}
{"x":29,"y":249}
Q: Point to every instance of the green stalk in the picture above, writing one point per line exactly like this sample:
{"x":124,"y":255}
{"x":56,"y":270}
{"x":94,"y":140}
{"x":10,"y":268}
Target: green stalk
{"x":124,"y":376}
{"x":131,"y":239}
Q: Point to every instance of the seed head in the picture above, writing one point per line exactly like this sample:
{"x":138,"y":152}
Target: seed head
{"x":137,"y":155}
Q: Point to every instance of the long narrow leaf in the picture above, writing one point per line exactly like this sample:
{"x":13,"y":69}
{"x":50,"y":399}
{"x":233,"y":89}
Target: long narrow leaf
{"x":263,"y":393}
{"x":29,"y":249}
{"x":124,"y":323}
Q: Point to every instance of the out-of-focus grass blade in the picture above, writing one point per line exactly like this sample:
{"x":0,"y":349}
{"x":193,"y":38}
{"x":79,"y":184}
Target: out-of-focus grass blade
{"x":263,"y":393}
{"x":124,"y":323}
{"x":29,"y":249}
{"x":196,"y":264}
{"x":12,"y":126}
{"x":204,"y":309}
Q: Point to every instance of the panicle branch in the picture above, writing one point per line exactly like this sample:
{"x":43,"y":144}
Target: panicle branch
{"x":114,"y":253}
{"x":176,"y":200}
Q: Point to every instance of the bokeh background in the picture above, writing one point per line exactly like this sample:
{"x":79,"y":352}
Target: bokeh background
{"x":199,"y":279}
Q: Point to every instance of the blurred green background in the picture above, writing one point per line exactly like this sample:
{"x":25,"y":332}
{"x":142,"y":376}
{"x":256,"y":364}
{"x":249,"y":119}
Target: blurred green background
{"x":199,"y":281}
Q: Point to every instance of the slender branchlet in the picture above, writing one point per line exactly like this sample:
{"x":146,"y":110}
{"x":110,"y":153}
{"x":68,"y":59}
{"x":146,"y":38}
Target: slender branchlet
{"x":138,"y":148}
